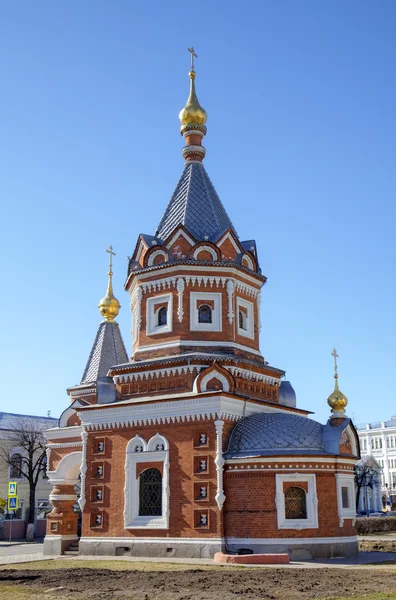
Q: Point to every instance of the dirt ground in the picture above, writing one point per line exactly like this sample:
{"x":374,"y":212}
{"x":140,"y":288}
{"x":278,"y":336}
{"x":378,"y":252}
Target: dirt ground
{"x":200,"y":584}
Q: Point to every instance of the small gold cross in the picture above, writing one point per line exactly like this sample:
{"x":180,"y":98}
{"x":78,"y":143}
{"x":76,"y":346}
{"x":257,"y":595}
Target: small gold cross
{"x":334,"y":353}
{"x":192,"y":51}
{"x":110,"y":251}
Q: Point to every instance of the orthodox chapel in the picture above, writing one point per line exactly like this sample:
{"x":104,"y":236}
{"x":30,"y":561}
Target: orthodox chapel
{"x":194,"y":444}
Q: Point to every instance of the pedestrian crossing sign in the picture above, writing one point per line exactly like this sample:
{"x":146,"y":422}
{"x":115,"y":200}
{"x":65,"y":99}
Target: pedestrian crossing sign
{"x":12,"y":488}
{"x":13,"y":503}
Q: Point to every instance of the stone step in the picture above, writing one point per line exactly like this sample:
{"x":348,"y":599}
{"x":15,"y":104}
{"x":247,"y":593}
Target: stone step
{"x":71,"y":552}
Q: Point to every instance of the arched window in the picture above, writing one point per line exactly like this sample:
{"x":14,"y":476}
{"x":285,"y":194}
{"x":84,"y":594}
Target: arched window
{"x":204,"y":314}
{"x":162,"y":316}
{"x":16,"y":466}
{"x":242,"y":320}
{"x":150,"y":493}
{"x":295,"y":503}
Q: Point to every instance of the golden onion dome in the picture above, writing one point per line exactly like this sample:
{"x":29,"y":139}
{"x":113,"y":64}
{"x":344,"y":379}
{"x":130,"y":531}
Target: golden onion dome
{"x":109,"y":306}
{"x":193,"y":111}
{"x":337,"y":401}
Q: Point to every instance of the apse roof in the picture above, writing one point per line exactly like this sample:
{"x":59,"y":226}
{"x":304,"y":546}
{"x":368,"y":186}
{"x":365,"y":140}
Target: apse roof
{"x":196,"y":205}
{"x":108,"y":349}
{"x":276,"y":433}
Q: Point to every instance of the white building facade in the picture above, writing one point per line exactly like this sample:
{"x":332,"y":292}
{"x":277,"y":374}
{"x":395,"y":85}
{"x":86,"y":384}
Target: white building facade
{"x":378,"y":440}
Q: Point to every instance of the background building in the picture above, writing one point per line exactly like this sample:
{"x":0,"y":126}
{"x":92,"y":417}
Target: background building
{"x":378,"y":439}
{"x":9,"y":422}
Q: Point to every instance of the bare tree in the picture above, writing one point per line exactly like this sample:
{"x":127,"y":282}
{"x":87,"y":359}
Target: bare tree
{"x":29,"y":441}
{"x":365,"y":477}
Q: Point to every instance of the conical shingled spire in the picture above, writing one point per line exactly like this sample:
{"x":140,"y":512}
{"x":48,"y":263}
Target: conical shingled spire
{"x":108,"y":349}
{"x":196,"y":205}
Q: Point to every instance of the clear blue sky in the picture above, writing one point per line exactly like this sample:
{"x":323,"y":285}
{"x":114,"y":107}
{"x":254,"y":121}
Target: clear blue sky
{"x":301,"y":100}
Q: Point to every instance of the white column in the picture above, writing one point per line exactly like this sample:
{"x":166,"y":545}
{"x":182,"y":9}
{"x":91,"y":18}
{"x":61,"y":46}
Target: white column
{"x":83,"y":469}
{"x":219,"y":461}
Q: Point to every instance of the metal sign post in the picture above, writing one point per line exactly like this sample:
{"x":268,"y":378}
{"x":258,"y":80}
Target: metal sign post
{"x":12,"y":502}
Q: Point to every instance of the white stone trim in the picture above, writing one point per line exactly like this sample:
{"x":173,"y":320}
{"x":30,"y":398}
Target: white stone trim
{"x":259,"y":297}
{"x":63,"y":497}
{"x":154,"y":255}
{"x":193,"y":149}
{"x":198,"y":344}
{"x":177,"y":234}
{"x":252,"y":375}
{"x":183,"y":410}
{"x":219,"y":462}
{"x":166,"y":283}
{"x":193,"y":132}
{"x":311,"y":522}
{"x":249,"y":331}
{"x":60,"y":536}
{"x":132,"y":520}
{"x":293,"y":541}
{"x":249,"y":261}
{"x":180,"y":289}
{"x":64,"y":445}
{"x":82,"y":392}
{"x":346,"y":480}
{"x":156,"y":374}
{"x":151,"y":540}
{"x":61,"y":474}
{"x":230,"y":292}
{"x":222,"y":378}
{"x":209,"y":249}
{"x":56,"y":433}
{"x":311,"y":462}
{"x":140,"y":250}
{"x":228,"y":236}
{"x":151,"y":314}
{"x":199,"y":270}
{"x":83,"y":470}
{"x":216,"y":324}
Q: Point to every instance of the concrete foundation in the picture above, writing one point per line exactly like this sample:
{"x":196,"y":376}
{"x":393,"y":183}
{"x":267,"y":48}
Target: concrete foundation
{"x":55,"y":545}
{"x":166,"y":548}
{"x":299,"y":549}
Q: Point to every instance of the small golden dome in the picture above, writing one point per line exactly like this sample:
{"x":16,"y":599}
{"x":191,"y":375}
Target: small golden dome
{"x":193,"y":111}
{"x":337,"y":401}
{"x":109,"y":306}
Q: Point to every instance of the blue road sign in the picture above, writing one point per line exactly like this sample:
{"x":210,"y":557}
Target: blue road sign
{"x":13,"y":503}
{"x":12,"y":488}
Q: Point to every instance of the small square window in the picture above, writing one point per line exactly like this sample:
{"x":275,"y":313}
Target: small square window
{"x":159,"y":314}
{"x":245,"y":318}
{"x":205,"y":311}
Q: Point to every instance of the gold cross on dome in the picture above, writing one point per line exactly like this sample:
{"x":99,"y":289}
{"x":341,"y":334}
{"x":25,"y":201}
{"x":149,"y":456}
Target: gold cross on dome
{"x":334,"y":353}
{"x":110,"y":251}
{"x":192,"y":51}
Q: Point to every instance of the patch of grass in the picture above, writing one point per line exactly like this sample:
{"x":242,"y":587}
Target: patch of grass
{"x":8,"y":592}
{"x":113,"y":565}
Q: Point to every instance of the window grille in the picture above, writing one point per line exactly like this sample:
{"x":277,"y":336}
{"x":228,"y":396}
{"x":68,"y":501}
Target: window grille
{"x":295,"y":503}
{"x":162,"y":316}
{"x":150,"y":493}
{"x":204,"y":314}
{"x":16,"y":466}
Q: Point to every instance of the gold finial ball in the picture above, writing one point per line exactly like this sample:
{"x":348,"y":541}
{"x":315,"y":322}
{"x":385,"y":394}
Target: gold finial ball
{"x":193,"y":111}
{"x":109,"y":307}
{"x":337,"y":400}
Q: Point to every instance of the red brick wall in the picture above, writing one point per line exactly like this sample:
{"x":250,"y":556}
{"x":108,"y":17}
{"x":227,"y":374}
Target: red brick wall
{"x":182,"y":438}
{"x":253,"y":514}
